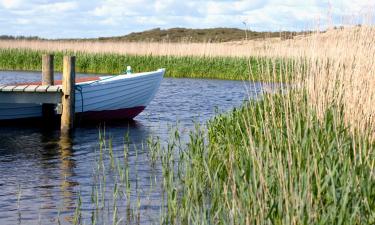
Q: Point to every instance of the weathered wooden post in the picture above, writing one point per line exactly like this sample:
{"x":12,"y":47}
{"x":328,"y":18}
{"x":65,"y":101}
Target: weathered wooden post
{"x":47,"y":70}
{"x":68,"y":97}
{"x":48,"y":110}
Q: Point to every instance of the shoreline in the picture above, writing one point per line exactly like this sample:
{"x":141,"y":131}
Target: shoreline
{"x":204,"y":67}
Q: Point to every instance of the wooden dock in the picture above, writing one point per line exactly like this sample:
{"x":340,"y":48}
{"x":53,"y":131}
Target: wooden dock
{"x":48,"y":94}
{"x":30,"y":94}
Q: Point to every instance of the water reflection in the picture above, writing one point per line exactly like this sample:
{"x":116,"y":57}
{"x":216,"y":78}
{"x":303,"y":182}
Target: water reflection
{"x":67,"y":165}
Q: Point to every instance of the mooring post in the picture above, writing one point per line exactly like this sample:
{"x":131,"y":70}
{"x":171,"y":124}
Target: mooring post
{"x":68,"y":97}
{"x":48,"y":110}
{"x":47,"y":70}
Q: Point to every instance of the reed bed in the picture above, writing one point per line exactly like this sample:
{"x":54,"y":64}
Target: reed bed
{"x":341,"y":74}
{"x":296,"y":156}
{"x":233,"y":49}
{"x":229,"y":68}
{"x":271,"y":163}
{"x":304,"y":155}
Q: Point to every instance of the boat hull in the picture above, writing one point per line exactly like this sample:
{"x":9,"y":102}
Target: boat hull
{"x":116,"y":97}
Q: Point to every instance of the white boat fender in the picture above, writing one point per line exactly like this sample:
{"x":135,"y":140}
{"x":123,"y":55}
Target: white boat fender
{"x":129,"y":70}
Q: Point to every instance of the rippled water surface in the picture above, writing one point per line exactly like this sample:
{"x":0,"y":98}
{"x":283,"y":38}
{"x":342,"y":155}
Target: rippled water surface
{"x":42,"y":175}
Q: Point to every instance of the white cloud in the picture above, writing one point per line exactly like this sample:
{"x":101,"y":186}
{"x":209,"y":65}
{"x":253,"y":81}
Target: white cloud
{"x":92,"y":18}
{"x":115,"y":8}
{"x":233,"y":8}
{"x":58,"y":7}
{"x":11,"y":4}
{"x":22,"y":21}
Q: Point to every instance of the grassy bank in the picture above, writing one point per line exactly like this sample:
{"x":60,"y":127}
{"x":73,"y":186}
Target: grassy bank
{"x":230,"y":68}
{"x":271,"y":162}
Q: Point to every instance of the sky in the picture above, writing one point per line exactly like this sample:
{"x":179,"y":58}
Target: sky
{"x":101,"y":18}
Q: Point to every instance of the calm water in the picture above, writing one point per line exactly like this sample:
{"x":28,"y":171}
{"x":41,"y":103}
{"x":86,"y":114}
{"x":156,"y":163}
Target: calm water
{"x":42,"y":175}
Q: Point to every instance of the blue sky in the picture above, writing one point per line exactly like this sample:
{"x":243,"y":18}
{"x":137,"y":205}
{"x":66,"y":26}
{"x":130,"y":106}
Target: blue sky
{"x":94,"y":18}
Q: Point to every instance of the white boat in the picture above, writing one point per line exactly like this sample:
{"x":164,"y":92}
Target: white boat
{"x":100,"y":98}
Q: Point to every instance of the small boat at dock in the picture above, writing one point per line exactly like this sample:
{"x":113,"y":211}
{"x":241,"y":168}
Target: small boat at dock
{"x":99,"y":98}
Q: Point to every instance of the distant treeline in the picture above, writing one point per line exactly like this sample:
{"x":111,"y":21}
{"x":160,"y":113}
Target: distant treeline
{"x":10,"y":37}
{"x":180,"y":35}
{"x":201,"y":35}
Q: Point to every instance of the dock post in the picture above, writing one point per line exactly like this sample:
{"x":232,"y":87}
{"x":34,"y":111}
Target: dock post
{"x":47,"y":70}
{"x":48,"y":110}
{"x":68,"y":97}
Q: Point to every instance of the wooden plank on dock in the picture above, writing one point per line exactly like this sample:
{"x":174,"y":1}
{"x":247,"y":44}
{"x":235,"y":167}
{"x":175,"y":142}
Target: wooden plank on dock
{"x":8,"y":88}
{"x":30,"y":97}
{"x":42,"y":88}
{"x":31,"y":88}
{"x":54,"y":88}
{"x":20,"y":88}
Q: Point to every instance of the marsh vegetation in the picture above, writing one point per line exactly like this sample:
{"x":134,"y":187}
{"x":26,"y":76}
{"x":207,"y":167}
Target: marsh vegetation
{"x":302,"y":155}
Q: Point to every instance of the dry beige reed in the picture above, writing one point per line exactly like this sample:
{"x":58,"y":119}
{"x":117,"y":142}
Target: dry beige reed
{"x":261,"y":47}
{"x":342,"y":72}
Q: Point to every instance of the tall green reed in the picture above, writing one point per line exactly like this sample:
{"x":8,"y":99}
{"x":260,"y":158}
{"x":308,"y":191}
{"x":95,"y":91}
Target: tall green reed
{"x":273,"y":161}
{"x":229,"y":68}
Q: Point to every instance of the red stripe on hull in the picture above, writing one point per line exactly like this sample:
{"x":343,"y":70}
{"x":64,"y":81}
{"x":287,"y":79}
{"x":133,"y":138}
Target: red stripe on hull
{"x":118,"y":114}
